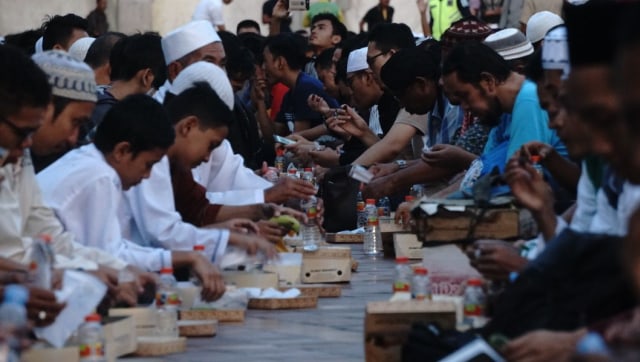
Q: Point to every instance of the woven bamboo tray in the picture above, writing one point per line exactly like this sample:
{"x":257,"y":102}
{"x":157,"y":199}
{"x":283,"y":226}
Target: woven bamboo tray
{"x":318,"y":290}
{"x":160,"y":346}
{"x":344,"y":238}
{"x":301,"y":302}
{"x":206,"y":328}
{"x":221,"y":315}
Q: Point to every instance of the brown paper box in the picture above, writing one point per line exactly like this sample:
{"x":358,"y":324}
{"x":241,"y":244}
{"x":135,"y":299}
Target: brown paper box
{"x":67,"y":354}
{"x":120,"y":336}
{"x":344,"y":238}
{"x":253,"y":279}
{"x":144,"y":319}
{"x":287,"y":274}
{"x":407,"y":245}
{"x":327,"y":265}
{"x":387,"y":325}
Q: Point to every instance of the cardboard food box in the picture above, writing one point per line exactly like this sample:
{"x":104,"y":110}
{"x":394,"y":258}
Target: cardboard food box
{"x":344,"y":238}
{"x":327,"y":265}
{"x":288,"y":268}
{"x":407,"y":245}
{"x":144,"y":319}
{"x":388,"y":230}
{"x":120,"y":336}
{"x":387,"y":325}
{"x":449,"y":269}
{"x":42,"y":354}
{"x":438,"y":221}
{"x":252,"y":279}
{"x":221,"y":315}
{"x":120,"y":340}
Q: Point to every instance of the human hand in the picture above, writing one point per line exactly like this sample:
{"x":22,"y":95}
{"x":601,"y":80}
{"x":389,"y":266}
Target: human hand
{"x":242,"y":226}
{"x":277,"y":210}
{"x":289,"y":188}
{"x":271,"y":230}
{"x":377,"y":188}
{"x":448,"y":156}
{"x":252,"y":244}
{"x":625,"y":332}
{"x":42,"y":307}
{"x":280,"y":10}
{"x":403,"y":213}
{"x":318,"y":104}
{"x":348,"y":120}
{"x":326,"y":158}
{"x":528,"y":186}
{"x":495,"y":259}
{"x":542,"y":346}
{"x":535,"y":148}
{"x":210,"y":278}
{"x":258,"y":90}
{"x":383,"y":169}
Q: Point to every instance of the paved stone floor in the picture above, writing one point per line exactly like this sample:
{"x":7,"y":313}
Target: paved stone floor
{"x":332,"y":332}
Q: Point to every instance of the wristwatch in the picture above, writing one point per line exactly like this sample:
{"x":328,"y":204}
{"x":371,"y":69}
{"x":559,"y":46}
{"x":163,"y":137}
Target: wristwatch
{"x":401,"y":163}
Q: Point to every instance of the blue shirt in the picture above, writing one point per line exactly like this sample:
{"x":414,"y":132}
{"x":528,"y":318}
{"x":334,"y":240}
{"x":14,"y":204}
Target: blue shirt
{"x":294,"y":104}
{"x":527,"y":122}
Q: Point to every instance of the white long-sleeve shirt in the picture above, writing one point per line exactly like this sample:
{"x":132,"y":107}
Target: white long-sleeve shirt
{"x":151,"y":219}
{"x":86,"y":194}
{"x":24,"y":216}
{"x":228,"y":181}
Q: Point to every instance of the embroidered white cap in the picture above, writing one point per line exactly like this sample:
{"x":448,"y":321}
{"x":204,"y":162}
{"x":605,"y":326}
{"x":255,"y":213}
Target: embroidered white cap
{"x":540,"y":23}
{"x":79,"y":48}
{"x":510,"y":43}
{"x":187,"y":38}
{"x":357,"y":60}
{"x":555,"y":51}
{"x":208,"y":73}
{"x":68,"y":77}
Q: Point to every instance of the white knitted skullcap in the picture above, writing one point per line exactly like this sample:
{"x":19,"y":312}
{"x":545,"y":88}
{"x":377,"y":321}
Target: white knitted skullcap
{"x":188,"y":38}
{"x":540,"y":23}
{"x":68,"y":77}
{"x":208,"y":73}
{"x":357,"y":60}
{"x":510,"y":43}
{"x":79,"y":48}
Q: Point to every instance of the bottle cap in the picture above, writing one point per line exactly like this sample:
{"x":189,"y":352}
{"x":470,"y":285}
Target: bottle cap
{"x":45,"y":237}
{"x":94,"y":317}
{"x":280,"y":152}
{"x":402,"y":259}
{"x":371,"y":201}
{"x":308,"y":169}
{"x":409,"y":198}
{"x":421,"y":271}
{"x":535,"y":158}
{"x":16,"y":294}
{"x":166,"y":271}
{"x":198,"y":248}
{"x":475,"y":282}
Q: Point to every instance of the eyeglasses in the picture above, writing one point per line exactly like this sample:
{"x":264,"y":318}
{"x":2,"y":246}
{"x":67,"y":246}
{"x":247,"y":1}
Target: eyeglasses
{"x":21,"y":133}
{"x":370,"y":60}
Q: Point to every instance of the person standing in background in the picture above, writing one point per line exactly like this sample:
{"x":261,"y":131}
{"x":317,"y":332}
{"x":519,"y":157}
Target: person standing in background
{"x":97,"y":19}
{"x":381,"y":13}
{"x":211,"y":10}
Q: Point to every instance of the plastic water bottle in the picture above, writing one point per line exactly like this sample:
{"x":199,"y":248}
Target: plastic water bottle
{"x":279,"y":161}
{"x":167,"y":304}
{"x":91,"y":340}
{"x":403,"y":275}
{"x":361,"y":214}
{"x":13,"y":319}
{"x":41,"y":264}
{"x":474,"y":303}
{"x":535,"y":162}
{"x":310,"y":232}
{"x":372,"y":236}
{"x":421,"y":285}
{"x":384,"y":207}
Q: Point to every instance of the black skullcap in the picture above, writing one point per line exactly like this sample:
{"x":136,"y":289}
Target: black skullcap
{"x":403,"y":67}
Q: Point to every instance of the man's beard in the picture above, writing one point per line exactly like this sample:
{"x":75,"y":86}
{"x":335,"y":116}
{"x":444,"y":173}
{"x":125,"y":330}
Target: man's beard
{"x":494,"y":115}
